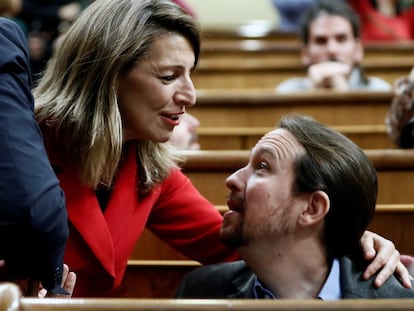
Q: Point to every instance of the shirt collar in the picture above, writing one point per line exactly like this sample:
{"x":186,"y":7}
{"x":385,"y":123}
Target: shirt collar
{"x":331,"y":289}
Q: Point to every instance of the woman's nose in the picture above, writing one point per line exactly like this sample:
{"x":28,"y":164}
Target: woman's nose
{"x":187,"y":94}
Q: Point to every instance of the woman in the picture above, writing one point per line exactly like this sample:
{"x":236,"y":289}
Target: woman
{"x":107,"y":104}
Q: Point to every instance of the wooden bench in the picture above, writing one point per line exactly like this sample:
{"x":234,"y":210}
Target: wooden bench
{"x":241,"y":138}
{"x":259,"y":108}
{"x":108,"y":304}
{"x":208,"y":170}
{"x":211,"y":74}
{"x":246,"y":32}
{"x":9,"y":296}
{"x":230,"y":59}
{"x":275,"y":52}
{"x":235,"y":119}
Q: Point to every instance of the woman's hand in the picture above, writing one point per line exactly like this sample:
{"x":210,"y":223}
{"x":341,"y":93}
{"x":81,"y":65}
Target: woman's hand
{"x":385,"y":259}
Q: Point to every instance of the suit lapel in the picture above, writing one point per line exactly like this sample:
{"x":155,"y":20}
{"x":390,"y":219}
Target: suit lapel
{"x":244,"y":284}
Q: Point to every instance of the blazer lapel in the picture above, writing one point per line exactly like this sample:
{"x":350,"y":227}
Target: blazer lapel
{"x":123,"y":202}
{"x":86,"y":217}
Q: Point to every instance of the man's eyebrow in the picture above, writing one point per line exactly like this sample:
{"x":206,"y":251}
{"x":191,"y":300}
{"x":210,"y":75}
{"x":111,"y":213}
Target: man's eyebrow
{"x":264,"y":150}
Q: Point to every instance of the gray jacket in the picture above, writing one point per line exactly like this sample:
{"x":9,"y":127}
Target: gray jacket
{"x":235,"y":280}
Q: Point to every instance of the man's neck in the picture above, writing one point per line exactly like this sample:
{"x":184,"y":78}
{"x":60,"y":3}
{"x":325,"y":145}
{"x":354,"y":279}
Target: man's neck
{"x":296,"y":273}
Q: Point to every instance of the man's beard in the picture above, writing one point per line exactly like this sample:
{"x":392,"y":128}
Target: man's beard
{"x":233,"y":235}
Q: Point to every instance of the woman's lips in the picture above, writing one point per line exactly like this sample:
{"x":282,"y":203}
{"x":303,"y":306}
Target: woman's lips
{"x":171,"y":119}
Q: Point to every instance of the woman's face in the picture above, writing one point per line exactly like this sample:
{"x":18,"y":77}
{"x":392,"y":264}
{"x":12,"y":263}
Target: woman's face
{"x":154,"y":94}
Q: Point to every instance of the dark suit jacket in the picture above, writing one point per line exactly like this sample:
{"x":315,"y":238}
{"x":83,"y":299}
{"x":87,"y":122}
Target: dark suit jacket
{"x":33,"y":219}
{"x":235,"y":280}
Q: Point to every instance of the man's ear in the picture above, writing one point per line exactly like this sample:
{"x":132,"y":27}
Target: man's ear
{"x":359,"y":52}
{"x":317,"y":208}
{"x":304,"y":56}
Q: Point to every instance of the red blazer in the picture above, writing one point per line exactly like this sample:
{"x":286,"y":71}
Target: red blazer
{"x":100,"y":244}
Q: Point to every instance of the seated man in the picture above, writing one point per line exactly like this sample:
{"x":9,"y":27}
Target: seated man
{"x":296,"y":213}
{"x":332,"y":51}
{"x":400,"y":116}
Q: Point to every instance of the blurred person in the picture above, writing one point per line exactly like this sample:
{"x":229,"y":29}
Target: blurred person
{"x":9,"y":8}
{"x":41,"y":20}
{"x":289,"y":14}
{"x":296,"y":214}
{"x":385,"y":20}
{"x":184,"y":136}
{"x":400,"y":115}
{"x":332,"y":51}
{"x":186,"y":7}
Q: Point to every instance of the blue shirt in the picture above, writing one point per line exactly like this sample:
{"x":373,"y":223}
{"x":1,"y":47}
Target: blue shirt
{"x":331,"y":289}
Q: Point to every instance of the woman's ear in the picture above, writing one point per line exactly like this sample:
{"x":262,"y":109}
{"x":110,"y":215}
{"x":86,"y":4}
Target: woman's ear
{"x":316,"y":210}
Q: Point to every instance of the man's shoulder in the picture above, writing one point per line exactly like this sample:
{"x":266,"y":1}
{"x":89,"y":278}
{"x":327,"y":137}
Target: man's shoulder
{"x":10,"y":28}
{"x":293,"y":84}
{"x":213,"y":281}
{"x":378,"y":84}
{"x":225,"y":271}
{"x":7,"y":23}
{"x":12,"y":40}
{"x":353,"y":285}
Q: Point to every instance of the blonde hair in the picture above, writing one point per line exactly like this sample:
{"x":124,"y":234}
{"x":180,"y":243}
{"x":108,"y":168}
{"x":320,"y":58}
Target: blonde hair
{"x":77,"y":94}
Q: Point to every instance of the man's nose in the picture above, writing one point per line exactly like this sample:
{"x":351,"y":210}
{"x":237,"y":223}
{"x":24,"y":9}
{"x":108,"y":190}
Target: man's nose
{"x":235,"y":181}
{"x":332,"y":47}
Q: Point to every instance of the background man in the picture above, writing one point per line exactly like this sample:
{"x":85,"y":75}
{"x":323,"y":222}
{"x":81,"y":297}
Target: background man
{"x":332,"y":51}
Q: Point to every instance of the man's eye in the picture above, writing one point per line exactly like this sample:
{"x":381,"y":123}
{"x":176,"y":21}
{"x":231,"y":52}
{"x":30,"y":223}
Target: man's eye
{"x":342,"y":38}
{"x":167,"y":78}
{"x":262,"y":165}
{"x":320,"y":41}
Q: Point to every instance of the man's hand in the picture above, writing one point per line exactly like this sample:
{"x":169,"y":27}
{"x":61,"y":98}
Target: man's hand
{"x":35,"y":289}
{"x":329,"y":75}
{"x":385,"y":259}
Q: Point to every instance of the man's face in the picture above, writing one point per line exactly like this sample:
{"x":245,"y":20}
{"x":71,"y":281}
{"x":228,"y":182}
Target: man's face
{"x":263,"y":207}
{"x":331,"y":39}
